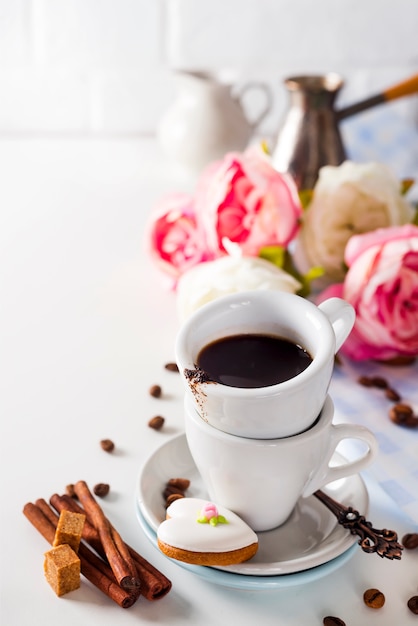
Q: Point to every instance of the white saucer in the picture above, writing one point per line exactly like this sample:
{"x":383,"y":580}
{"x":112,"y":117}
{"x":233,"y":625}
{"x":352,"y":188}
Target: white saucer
{"x":311,"y":537}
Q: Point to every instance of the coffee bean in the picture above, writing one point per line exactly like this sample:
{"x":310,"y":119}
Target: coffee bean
{"x":410,"y":541}
{"x":392,"y":394}
{"x":101,"y":489}
{"x":107,"y":445}
{"x":330,"y":620}
{"x":155,"y":391}
{"x":180,"y":483}
{"x":366,"y":381}
{"x":70,"y":491}
{"x":401,"y":413}
{"x":413,"y":604}
{"x":374,"y":598}
{"x":172,"y":497}
{"x":156,"y":422}
{"x":171,"y":367}
{"x":379,"y":382}
{"x":170,"y":489}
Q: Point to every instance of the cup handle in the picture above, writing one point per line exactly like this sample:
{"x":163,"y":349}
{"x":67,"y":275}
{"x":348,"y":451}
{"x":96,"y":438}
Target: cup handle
{"x":341,"y":316}
{"x":326,"y":474}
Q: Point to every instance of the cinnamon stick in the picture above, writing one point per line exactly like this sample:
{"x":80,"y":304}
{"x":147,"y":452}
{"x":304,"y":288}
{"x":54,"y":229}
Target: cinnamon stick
{"x":41,"y":523}
{"x":101,"y":565}
{"x":89,"y":561}
{"x":154,"y":584}
{"x":84,"y":551}
{"x":117,"y":554}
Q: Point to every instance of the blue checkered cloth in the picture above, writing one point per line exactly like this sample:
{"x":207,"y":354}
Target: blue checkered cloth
{"x":396,"y":466}
{"x":387,"y":134}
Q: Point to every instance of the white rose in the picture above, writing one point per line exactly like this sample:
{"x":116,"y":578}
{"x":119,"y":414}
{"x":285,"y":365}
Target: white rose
{"x":229,"y":274}
{"x":349,"y":199}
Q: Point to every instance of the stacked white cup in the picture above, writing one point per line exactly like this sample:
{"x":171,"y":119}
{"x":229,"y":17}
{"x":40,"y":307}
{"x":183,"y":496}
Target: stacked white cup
{"x":260,"y":449}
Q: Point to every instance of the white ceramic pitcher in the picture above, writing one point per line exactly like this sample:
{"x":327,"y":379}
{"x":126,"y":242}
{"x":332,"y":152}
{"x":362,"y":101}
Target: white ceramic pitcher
{"x":206,"y":120}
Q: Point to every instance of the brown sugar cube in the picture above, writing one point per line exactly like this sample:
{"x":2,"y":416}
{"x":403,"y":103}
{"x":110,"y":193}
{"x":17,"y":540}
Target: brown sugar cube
{"x":69,"y":529}
{"x":62,"y":569}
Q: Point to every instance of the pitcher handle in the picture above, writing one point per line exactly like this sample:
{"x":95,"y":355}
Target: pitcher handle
{"x":341,"y":316}
{"x":268,"y":103}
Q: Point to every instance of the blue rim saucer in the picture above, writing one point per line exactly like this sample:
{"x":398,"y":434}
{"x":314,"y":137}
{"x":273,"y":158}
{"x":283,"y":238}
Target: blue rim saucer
{"x":310,"y":544}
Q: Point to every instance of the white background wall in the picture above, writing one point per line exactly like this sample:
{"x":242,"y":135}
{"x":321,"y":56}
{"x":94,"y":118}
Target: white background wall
{"x":105,"y":67}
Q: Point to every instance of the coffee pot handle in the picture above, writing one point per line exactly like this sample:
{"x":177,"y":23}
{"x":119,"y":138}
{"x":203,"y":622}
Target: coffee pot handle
{"x":341,"y":316}
{"x":268,"y":100}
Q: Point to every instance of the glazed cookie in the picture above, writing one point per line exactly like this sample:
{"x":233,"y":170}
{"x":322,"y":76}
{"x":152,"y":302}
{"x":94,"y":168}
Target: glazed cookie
{"x":199,"y":532}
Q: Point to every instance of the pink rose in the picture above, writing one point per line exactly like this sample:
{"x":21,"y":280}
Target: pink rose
{"x":243,"y":199}
{"x":382,"y":285}
{"x":174,"y":239}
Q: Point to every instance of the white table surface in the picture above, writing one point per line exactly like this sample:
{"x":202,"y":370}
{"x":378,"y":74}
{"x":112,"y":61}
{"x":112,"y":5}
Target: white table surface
{"x":86,"y":328}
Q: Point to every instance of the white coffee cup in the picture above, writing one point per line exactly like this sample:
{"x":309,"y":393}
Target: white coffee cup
{"x":262,"y":480}
{"x":278,"y":410}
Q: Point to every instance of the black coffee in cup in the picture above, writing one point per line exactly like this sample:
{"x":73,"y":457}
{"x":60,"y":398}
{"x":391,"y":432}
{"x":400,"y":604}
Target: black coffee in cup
{"x":252,"y":360}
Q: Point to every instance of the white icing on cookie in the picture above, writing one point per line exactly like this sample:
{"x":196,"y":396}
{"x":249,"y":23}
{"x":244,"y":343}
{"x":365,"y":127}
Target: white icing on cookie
{"x":183,"y":531}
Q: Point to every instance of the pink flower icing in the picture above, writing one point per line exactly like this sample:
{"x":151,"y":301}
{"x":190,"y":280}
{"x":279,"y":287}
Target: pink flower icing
{"x":209,"y":515}
{"x":209,"y":511}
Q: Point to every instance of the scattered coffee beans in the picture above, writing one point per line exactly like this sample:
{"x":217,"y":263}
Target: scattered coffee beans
{"x":155,"y":391}
{"x":174,"y":489}
{"x":171,"y":367}
{"x":330,"y":620}
{"x":374,"y":598}
{"x":401,"y":413}
{"x":413,"y":604}
{"x":410,"y":541}
{"x":156,"y":422}
{"x":101,"y":489}
{"x":380,"y":383}
{"x":107,"y":445}
{"x":376,"y":381}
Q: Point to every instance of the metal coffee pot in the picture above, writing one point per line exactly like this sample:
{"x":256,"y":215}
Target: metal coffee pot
{"x":310,"y":137}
